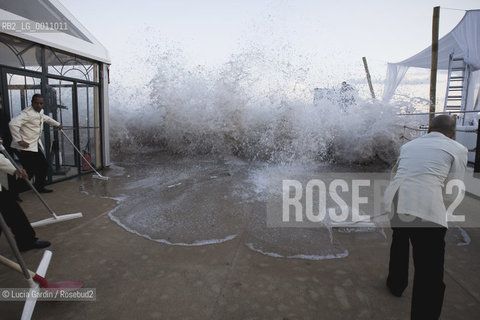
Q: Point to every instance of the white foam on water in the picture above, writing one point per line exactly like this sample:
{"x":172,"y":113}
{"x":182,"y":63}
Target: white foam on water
{"x":114,"y":170}
{"x":299,"y":256}
{"x":118,"y":199}
{"x":195,"y":243}
{"x":356,"y":229}
{"x":325,"y":257}
{"x":174,"y":185}
{"x":270,"y":254}
{"x":466,"y":240}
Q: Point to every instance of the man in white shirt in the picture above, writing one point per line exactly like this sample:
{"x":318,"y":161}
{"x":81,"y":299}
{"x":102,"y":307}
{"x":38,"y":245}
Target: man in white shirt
{"x":423,"y":168}
{"x":26,"y":130}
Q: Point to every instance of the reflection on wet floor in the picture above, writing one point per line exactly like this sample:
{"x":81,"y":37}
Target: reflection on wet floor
{"x":198,"y":201}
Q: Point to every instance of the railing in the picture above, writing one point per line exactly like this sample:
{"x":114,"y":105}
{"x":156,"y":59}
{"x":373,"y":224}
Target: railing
{"x":440,"y":112}
{"x":471,"y":129}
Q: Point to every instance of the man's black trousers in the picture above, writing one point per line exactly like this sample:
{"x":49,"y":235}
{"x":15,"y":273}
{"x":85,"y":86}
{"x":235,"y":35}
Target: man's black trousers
{"x":36,"y":166}
{"x":428,"y":244}
{"x":16,"y":219}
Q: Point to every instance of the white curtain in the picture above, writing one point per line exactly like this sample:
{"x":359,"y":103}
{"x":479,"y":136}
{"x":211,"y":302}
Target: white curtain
{"x":463,"y":41}
{"x":467,"y":35}
{"x":395,"y":75}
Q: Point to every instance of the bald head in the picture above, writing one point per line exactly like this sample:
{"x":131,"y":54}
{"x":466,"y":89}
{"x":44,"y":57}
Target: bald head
{"x":443,"y":124}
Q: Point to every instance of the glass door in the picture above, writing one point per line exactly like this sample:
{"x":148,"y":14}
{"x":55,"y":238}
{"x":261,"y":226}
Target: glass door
{"x":60,"y":105}
{"x":88,"y":125}
{"x":76,"y":106}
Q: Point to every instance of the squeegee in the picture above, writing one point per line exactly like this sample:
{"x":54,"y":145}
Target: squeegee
{"x":97,"y":175}
{"x":35,"y":280}
{"x":55,"y":218}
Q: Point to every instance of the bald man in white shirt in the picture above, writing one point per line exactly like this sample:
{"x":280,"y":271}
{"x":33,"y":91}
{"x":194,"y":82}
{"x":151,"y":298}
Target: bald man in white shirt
{"x":26,"y":130}
{"x":415,"y":195}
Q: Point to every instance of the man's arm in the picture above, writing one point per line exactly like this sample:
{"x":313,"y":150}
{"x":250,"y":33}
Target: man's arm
{"x":6,"y":166}
{"x":457,"y":171}
{"x":395,"y":167}
{"x":394,"y":170}
{"x":52,"y":122}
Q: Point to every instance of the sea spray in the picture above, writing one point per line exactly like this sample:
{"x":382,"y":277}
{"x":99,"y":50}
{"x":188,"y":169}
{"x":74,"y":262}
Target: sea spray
{"x":236,"y":111}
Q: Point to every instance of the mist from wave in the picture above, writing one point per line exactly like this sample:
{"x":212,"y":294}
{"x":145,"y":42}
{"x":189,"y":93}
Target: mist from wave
{"x":257,"y":106}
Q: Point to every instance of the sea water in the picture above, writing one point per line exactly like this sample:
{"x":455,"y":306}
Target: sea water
{"x":194,"y":149}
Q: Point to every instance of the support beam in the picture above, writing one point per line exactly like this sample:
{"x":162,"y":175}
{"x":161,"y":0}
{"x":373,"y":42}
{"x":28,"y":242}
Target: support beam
{"x":476,"y":168}
{"x":369,"y":79}
{"x":433,"y":67}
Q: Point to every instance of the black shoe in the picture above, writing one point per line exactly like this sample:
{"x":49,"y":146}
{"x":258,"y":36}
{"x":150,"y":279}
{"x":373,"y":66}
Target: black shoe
{"x":396,"y":293}
{"x":17,"y":198}
{"x":37,"y":244}
{"x":45,"y":190}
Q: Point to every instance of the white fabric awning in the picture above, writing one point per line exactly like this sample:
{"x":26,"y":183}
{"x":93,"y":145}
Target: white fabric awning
{"x":463,"y":42}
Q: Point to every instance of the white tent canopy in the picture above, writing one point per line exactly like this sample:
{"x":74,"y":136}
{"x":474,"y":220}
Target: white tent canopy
{"x":75,"y":38}
{"x":463,"y":41}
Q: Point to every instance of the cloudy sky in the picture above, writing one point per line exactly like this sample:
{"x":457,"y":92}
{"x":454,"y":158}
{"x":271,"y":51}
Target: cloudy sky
{"x":333,"y":35}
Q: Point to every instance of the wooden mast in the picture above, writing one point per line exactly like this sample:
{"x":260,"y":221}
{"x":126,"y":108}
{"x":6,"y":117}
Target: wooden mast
{"x":433,"y":67}
{"x":369,"y":79}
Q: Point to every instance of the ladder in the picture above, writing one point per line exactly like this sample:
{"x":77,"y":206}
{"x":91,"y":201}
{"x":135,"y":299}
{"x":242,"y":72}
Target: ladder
{"x":457,"y":84}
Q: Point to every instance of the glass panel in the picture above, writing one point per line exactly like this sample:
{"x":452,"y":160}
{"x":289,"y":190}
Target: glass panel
{"x":17,"y":103}
{"x":84,"y":105}
{"x":88,"y":105}
{"x":63,"y":64}
{"x":18,"y":96}
{"x":59,"y":103}
{"x":20,"y":92}
{"x":18,"y":53}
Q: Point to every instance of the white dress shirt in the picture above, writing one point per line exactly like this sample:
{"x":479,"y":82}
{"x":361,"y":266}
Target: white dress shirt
{"x":422,"y":169}
{"x":6,"y":166}
{"x":28,"y":126}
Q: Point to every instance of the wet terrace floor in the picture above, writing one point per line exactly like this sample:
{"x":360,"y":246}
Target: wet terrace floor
{"x":192,"y":244}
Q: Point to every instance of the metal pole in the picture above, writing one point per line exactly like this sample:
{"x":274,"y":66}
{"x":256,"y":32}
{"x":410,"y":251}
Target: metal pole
{"x":9,"y":157}
{"x":16,"y":251}
{"x":369,"y":79}
{"x":476,"y":167}
{"x":433,"y":67}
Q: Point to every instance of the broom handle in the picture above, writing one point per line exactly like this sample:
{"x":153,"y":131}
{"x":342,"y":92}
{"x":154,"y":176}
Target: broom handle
{"x":22,"y":268}
{"x":14,"y":265}
{"x":81,"y":155}
{"x":9,"y":157}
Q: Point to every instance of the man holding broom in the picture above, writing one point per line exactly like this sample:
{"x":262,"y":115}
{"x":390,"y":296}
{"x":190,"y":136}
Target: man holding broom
{"x":26,"y":130}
